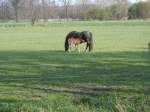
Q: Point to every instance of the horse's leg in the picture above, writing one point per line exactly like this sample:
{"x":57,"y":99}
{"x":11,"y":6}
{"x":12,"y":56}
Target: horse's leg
{"x":70,"y":46}
{"x":75,"y":47}
{"x":78,"y":49}
{"x":87,"y":45}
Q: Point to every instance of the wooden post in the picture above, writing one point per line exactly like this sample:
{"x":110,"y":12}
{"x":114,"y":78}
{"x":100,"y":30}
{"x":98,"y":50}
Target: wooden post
{"x":149,"y":47}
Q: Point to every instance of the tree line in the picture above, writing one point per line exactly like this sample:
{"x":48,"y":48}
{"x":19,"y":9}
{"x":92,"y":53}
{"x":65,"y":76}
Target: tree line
{"x":35,"y":10}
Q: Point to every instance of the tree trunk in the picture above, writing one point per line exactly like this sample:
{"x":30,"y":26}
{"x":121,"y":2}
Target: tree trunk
{"x":16,"y":15}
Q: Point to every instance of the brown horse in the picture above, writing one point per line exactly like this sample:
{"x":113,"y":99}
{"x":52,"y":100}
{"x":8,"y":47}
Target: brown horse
{"x":76,"y":38}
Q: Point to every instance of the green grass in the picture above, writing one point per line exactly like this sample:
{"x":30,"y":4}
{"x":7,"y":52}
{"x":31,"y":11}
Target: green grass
{"x":36,"y":75}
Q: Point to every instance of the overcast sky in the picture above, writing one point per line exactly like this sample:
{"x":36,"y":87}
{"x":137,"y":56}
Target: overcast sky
{"x":133,"y":1}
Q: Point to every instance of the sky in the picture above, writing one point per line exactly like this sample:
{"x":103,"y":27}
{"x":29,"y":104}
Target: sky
{"x":133,"y":1}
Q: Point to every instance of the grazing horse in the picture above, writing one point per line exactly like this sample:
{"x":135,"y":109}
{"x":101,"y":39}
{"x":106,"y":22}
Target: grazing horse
{"x":77,"y":38}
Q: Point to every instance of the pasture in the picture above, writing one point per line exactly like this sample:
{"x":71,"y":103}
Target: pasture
{"x":36,"y":75}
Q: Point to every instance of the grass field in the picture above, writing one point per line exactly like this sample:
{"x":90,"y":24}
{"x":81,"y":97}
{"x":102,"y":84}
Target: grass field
{"x":36,"y":75}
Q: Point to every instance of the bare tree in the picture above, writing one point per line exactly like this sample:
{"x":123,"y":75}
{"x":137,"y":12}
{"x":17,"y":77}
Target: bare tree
{"x":44,"y":10}
{"x":17,"y":4}
{"x":119,"y":9}
{"x":66,"y":4}
{"x":34,"y":12}
{"x":5,"y":9}
{"x":52,"y":9}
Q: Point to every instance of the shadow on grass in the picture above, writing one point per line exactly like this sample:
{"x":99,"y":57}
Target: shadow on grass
{"x":61,"y":68}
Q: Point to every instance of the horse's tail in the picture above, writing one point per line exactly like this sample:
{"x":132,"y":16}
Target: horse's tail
{"x":66,"y":43}
{"x":91,"y":42}
{"x":69,"y":35}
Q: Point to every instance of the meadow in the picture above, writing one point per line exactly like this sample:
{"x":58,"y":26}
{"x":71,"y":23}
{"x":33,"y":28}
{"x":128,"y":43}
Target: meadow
{"x":37,"y":75}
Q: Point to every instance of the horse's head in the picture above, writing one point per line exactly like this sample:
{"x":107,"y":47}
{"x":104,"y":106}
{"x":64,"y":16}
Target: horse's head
{"x":87,"y":36}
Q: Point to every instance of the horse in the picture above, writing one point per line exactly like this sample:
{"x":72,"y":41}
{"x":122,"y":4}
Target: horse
{"x":77,"y":38}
